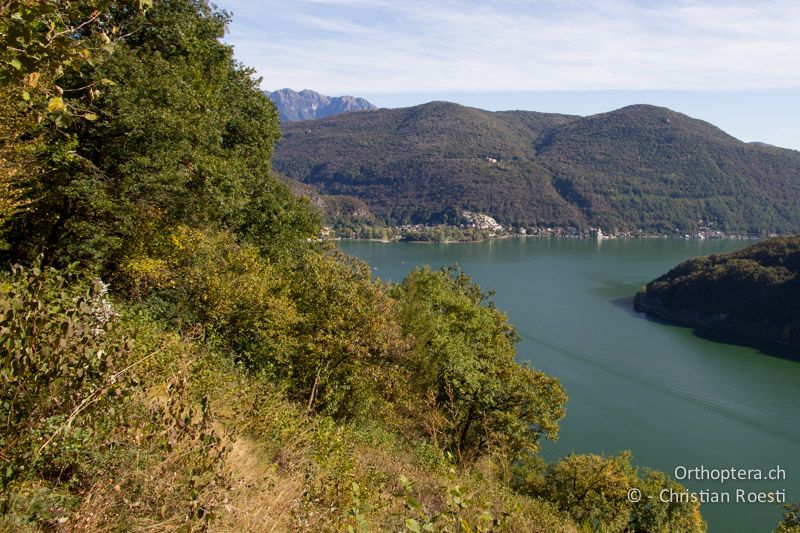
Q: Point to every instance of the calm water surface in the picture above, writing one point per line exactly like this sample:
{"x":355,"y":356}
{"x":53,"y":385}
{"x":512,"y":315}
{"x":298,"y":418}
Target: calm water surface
{"x":670,"y":394}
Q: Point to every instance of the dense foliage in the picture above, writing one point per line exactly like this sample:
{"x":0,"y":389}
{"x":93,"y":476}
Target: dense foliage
{"x":791,"y":519}
{"x":179,"y":133}
{"x":178,"y":352}
{"x":464,"y":356}
{"x":755,"y":291}
{"x":593,"y":490}
{"x":638,"y":168}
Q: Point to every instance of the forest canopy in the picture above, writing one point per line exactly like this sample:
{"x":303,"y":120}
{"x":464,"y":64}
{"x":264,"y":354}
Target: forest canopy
{"x":752,"y":292}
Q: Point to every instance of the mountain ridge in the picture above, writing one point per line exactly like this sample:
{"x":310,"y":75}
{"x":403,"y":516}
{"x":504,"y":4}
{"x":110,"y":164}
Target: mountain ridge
{"x":296,"y":106}
{"x":638,"y":168}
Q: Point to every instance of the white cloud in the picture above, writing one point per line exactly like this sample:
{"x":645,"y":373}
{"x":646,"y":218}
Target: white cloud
{"x":339,"y":46}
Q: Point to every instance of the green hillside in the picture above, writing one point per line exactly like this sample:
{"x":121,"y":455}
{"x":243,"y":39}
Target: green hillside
{"x":755,"y":291}
{"x":178,"y":352}
{"x":640,"y":167}
{"x":423,"y":164}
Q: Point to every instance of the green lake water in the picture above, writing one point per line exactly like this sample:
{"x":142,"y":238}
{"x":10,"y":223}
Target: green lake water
{"x":673,"y":396}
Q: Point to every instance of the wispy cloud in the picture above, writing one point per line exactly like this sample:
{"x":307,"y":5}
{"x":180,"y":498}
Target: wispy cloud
{"x":376,"y":46}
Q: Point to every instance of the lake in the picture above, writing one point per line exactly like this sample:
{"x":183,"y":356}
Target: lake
{"x":673,"y":396}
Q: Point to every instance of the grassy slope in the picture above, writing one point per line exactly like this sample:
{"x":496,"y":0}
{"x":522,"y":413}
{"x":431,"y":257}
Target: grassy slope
{"x":289,"y":471}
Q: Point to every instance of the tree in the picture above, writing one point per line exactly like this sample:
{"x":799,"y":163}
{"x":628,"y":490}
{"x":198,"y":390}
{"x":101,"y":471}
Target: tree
{"x":593,"y":490}
{"x":349,"y":338}
{"x":791,"y":519}
{"x":43,"y":48}
{"x":464,"y":355}
{"x":180,"y":134}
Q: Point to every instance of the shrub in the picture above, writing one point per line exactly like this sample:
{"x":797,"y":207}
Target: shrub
{"x":320,"y":323}
{"x":791,"y":519}
{"x":98,"y":431}
{"x":59,"y":359}
{"x":593,"y":490}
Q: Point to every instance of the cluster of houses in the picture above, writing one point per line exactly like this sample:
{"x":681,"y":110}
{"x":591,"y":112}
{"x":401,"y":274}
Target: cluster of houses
{"x":480,"y":221}
{"x":490,"y":228}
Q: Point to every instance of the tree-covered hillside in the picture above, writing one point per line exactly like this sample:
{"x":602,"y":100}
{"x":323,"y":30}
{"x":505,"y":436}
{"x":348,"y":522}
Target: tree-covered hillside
{"x":423,"y":164}
{"x":649,"y":167}
{"x":641,"y":167}
{"x":755,"y":291}
{"x":178,"y":352}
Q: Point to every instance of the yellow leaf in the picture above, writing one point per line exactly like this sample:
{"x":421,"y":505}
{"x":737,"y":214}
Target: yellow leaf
{"x":90,"y":116}
{"x":55,"y":104}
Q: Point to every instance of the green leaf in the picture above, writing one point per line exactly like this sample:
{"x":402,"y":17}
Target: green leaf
{"x":91,"y":116}
{"x":413,"y":525}
{"x":64,"y":120}
{"x":15,"y":63}
{"x":413,"y":503}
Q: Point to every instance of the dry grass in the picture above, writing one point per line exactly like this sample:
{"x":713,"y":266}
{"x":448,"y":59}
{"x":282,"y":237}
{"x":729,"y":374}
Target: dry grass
{"x":271,"y":483}
{"x":261,"y":498}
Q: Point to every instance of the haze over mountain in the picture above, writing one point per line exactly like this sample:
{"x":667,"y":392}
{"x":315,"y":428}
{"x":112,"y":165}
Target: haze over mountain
{"x":637,"y":168}
{"x":306,"y":105}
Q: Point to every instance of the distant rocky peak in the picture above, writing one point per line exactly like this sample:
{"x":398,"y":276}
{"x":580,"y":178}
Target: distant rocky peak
{"x":308,"y":105}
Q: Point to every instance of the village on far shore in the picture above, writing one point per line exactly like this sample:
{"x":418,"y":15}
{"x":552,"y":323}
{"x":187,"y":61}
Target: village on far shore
{"x":479,"y":226}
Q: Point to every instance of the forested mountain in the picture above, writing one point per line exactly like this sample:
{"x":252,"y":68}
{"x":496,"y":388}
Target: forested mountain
{"x":640,"y":167}
{"x":306,"y":105}
{"x":755,"y":291}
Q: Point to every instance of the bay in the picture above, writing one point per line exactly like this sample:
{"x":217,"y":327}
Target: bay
{"x":674,"y":396}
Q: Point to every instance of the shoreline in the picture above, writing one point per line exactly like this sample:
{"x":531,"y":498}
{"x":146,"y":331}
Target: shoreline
{"x":549,"y":236}
{"x":737,"y":336}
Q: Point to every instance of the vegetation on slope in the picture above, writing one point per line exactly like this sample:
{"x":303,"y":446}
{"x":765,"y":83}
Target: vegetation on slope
{"x":178,"y":352}
{"x":638,"y":168}
{"x":423,"y":164}
{"x":755,"y":291}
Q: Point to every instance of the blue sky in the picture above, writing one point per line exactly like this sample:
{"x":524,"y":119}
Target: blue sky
{"x":731,"y":62}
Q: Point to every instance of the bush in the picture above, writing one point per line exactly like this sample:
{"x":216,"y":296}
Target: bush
{"x":320,"y":323}
{"x":59,"y":356}
{"x":593,"y":490}
{"x":96,"y":424}
{"x":791,"y":519}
